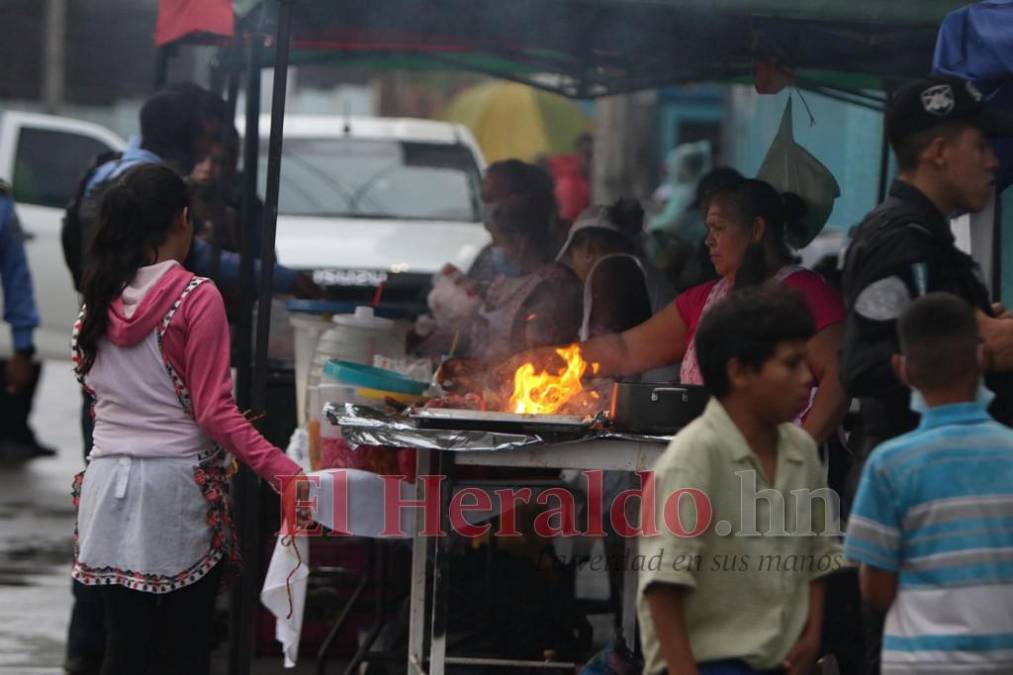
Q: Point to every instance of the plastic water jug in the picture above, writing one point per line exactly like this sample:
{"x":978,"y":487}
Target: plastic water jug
{"x":358,"y":338}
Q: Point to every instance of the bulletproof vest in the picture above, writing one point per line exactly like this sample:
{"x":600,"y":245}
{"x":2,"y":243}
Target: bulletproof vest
{"x":876,"y":249}
{"x":953,"y":270}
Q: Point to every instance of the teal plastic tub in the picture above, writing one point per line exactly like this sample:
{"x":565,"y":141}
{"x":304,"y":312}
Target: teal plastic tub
{"x":370,"y":377}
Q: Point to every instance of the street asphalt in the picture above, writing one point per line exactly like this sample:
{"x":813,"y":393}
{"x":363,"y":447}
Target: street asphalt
{"x":36,"y":543}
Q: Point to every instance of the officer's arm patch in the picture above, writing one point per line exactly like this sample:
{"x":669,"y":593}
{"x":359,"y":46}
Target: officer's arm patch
{"x":883,"y":300}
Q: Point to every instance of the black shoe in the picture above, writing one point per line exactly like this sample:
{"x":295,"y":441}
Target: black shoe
{"x":43,"y":450}
{"x":14,"y":451}
{"x":81,"y":666}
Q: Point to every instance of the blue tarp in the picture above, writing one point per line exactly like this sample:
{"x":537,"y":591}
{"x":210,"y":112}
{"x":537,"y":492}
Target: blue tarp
{"x":976,"y":43}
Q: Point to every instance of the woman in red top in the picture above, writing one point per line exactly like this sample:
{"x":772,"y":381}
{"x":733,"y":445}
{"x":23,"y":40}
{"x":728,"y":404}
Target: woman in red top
{"x":746,"y":225}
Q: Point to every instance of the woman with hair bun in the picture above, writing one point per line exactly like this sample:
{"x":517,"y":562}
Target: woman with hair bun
{"x":746,"y":226}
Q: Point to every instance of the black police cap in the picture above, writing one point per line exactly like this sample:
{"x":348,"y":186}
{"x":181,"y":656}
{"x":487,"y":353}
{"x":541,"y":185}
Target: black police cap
{"x":931,"y":102}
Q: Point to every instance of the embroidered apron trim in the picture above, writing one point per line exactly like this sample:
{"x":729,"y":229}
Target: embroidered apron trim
{"x":209,"y":475}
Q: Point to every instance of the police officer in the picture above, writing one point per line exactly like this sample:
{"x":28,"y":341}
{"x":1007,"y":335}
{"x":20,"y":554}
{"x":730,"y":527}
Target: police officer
{"x":938,"y":129}
{"x":20,"y":374}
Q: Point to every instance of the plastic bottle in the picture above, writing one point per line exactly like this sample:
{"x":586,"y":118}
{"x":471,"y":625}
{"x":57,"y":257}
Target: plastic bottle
{"x":313,"y":427}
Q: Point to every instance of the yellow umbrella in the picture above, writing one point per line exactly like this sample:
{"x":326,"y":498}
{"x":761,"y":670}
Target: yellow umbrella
{"x":512,"y":120}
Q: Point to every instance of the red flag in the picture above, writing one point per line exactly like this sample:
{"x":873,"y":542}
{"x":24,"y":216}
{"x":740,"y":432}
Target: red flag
{"x":179,"y":18}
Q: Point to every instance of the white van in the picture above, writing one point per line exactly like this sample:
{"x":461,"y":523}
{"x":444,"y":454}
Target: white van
{"x":366,"y":201}
{"x":363,"y":202}
{"x":44,"y":157}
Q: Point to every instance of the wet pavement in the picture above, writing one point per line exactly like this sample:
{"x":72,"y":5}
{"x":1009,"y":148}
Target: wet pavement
{"x":36,"y":540}
{"x":36,"y":531}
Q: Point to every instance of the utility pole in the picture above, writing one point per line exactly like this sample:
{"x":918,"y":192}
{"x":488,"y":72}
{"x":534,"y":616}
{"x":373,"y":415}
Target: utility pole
{"x":55,"y":57}
{"x":625,"y":147}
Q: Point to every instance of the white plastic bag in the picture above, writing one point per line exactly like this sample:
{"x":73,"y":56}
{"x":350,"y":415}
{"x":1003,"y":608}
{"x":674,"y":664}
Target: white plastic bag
{"x":791,"y":168}
{"x":452,"y":298}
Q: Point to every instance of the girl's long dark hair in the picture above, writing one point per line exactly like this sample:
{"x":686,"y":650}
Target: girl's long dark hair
{"x":135,"y":217}
{"x":752,"y":199}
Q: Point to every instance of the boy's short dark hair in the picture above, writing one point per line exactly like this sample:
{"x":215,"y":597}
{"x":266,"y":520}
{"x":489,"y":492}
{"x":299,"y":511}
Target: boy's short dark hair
{"x":938,"y":336}
{"x":748,"y":326}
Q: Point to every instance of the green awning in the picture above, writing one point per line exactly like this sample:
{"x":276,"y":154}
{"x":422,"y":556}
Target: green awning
{"x":893,"y":12}
{"x":591,"y":48}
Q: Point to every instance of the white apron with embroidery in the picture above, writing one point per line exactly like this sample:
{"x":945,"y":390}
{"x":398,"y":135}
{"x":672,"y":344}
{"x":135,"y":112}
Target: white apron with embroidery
{"x":153,"y":517}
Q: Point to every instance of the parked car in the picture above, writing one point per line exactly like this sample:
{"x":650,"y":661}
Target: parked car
{"x":44,"y":158}
{"x":364,"y":202}
{"x":368,"y":201}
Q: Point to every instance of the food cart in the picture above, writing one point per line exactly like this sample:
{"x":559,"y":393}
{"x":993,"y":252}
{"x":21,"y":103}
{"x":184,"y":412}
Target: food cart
{"x":846,"y":49}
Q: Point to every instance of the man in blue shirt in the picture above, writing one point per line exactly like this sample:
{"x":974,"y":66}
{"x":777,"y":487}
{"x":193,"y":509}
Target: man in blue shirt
{"x":20,"y":374}
{"x":179,"y":125}
{"x":931,"y":520}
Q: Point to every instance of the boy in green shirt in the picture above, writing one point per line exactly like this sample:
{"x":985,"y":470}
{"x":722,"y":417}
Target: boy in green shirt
{"x":741,"y":507}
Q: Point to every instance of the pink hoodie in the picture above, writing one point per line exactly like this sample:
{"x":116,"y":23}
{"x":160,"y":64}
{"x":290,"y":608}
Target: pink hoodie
{"x":135,"y":414}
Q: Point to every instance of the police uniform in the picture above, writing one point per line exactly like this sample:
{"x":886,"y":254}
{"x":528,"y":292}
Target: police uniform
{"x":902,"y":250}
{"x":17,"y":440}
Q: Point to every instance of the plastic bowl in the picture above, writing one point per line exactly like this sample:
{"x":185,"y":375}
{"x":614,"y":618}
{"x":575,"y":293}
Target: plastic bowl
{"x":369,"y":377}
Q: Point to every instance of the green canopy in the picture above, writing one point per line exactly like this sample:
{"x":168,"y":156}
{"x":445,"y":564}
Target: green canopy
{"x":590,"y":48}
{"x":896,"y":12}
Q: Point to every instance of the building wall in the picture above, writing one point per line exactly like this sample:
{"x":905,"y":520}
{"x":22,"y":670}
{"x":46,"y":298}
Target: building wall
{"x":844,"y":137}
{"x":691,"y":113}
{"x":110,"y":52}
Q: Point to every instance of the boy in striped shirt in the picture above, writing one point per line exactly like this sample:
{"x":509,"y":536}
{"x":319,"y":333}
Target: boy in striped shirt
{"x":932,"y":523}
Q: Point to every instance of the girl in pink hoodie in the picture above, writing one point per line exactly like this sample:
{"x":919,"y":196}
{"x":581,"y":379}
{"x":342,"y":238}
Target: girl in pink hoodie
{"x":152,"y":349}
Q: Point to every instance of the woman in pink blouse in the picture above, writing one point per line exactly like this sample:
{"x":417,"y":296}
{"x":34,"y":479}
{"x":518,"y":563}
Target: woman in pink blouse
{"x":152,"y":350}
{"x":746,"y":225}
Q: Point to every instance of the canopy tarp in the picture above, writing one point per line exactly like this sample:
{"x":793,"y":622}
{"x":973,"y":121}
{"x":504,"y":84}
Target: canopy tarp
{"x":185,"y":19}
{"x":589,"y":48}
{"x":974,"y":43}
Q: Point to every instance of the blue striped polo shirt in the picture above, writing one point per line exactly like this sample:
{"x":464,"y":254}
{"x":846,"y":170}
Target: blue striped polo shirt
{"x":935,"y":506}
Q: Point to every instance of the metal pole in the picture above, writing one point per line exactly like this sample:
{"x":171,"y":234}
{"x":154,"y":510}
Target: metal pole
{"x":246,"y":486}
{"x":248,"y":212}
{"x":884,"y":147}
{"x":55,"y":55}
{"x":245,"y":600}
{"x":162,"y":57}
{"x":270,"y":224}
{"x":231,"y":96}
{"x":884,"y":165}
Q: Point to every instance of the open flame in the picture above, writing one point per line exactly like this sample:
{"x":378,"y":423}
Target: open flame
{"x":544,"y":393}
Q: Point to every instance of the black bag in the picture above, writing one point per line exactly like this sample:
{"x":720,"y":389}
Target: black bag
{"x":78,"y":222}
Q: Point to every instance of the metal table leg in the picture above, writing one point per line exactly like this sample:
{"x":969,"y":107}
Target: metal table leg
{"x":418,"y":626}
{"x":379,"y":606}
{"x":325,"y":648}
{"x":441,"y":575}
